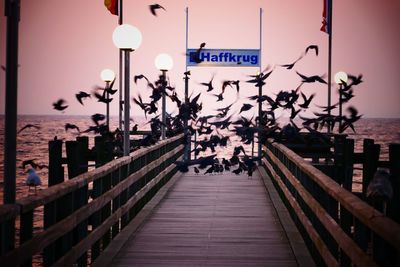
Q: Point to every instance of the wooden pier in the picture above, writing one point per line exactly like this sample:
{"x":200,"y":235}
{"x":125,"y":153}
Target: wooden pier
{"x":210,"y":220}
{"x":137,"y":210}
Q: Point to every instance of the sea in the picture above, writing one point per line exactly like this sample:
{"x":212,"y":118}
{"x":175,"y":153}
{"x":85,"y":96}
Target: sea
{"x":32,"y":143}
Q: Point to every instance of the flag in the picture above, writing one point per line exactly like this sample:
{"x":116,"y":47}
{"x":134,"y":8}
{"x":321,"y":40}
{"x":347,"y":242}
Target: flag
{"x":326,"y":13}
{"x":112,"y":6}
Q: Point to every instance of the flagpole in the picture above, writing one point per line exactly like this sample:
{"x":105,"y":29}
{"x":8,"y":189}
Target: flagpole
{"x":329,"y":58}
{"x":260,"y":91}
{"x":121,"y":66}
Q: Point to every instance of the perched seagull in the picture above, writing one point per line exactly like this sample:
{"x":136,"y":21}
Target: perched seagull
{"x":380,"y":189}
{"x":33,"y":179}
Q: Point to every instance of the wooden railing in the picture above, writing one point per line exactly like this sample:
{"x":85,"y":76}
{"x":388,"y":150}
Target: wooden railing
{"x":339,"y":228}
{"x":84,"y":223}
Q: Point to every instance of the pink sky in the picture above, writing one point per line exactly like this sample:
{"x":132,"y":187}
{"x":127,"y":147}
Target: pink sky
{"x":65,"y":44}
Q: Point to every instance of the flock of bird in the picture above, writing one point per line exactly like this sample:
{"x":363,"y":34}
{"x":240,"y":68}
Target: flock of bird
{"x":226,"y":118}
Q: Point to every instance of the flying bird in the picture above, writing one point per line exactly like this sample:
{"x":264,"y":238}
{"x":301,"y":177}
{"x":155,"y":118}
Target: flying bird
{"x":33,"y":164}
{"x":37,"y":127}
{"x":96,"y":118}
{"x":245,"y":107}
{"x":81,"y":95}
{"x":60,"y":104}
{"x":311,"y":79}
{"x":314,"y":47}
{"x":307,"y":101}
{"x":154,"y":7}
{"x":140,"y":76}
{"x":291,"y":65}
{"x":69,"y":126}
{"x":208,"y":84}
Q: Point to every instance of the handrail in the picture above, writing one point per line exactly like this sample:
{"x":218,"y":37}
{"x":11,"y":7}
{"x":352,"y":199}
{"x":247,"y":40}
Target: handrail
{"x":139,"y":176}
{"x":292,"y":168}
{"x":51,"y":193}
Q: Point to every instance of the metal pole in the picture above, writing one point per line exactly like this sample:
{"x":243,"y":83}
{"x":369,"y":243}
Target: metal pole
{"x":126,"y":103}
{"x":340,"y":106}
{"x":163,"y":114}
{"x":260,"y":92}
{"x":108,"y":104}
{"x":329,"y":58}
{"x":186,"y":119}
{"x":12,"y":11}
{"x":121,"y":76}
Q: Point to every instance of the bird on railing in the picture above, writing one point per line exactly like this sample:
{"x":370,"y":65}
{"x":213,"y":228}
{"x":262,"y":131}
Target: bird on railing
{"x":380,"y":189}
{"x":33,"y":179}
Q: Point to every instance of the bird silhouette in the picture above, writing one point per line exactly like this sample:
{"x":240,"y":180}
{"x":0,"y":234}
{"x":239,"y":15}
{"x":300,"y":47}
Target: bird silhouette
{"x":245,"y":107}
{"x":154,"y":7}
{"x":291,"y":65}
{"x":60,"y":104}
{"x":311,"y":79}
{"x":306,"y":100}
{"x":81,"y":95}
{"x":208,"y":84}
{"x":196,"y":56}
{"x":70,"y":126}
{"x":27,"y":126}
{"x":33,"y":164}
{"x":96,"y":118}
{"x":312,"y":47}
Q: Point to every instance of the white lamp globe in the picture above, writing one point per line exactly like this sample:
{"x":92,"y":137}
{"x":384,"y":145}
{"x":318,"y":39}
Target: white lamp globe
{"x":164,"y":62}
{"x":107,"y":75}
{"x":126,"y":36}
{"x":340,"y":76}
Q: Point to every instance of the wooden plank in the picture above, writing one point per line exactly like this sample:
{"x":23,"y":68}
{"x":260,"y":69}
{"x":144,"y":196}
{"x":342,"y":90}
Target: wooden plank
{"x":375,"y":220}
{"x":358,"y":257}
{"x":52,"y":193}
{"x":209,"y":221}
{"x":41,"y":240}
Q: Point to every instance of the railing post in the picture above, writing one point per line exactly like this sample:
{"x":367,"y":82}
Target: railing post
{"x":56,"y":176}
{"x":371,"y":157}
{"x":394,"y":204}
{"x":26,"y":232}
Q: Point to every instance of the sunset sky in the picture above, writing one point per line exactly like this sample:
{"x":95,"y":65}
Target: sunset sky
{"x":64,"y":45}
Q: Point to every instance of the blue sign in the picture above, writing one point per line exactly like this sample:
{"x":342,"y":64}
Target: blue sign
{"x":223,"y":57}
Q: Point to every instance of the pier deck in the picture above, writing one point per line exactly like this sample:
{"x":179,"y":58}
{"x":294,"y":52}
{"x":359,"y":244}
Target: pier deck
{"x":211,"y":220}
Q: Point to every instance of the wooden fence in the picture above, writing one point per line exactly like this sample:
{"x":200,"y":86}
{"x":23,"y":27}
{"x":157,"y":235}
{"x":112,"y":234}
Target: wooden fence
{"x":82,"y":215}
{"x":339,"y":228}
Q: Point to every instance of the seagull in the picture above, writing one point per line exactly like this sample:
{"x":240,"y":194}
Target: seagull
{"x":33,"y":179}
{"x":380,"y":189}
{"x":79,"y":96}
{"x":315,"y":47}
{"x":60,"y":104}
{"x":154,"y":7}
{"x":37,"y":127}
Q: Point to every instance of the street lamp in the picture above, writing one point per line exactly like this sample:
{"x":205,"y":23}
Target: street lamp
{"x":127,"y":38}
{"x":340,"y":79}
{"x":107,"y":76}
{"x":164,"y":63}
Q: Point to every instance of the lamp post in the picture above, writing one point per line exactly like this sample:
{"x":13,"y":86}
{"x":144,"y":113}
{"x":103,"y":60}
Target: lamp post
{"x":164,"y":63}
{"x":107,"y":76}
{"x":340,"y":78}
{"x":127,"y":38}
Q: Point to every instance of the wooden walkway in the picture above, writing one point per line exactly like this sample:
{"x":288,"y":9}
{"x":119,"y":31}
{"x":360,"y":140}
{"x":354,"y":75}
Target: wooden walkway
{"x":215,"y":220}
